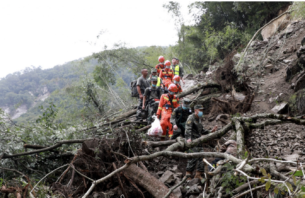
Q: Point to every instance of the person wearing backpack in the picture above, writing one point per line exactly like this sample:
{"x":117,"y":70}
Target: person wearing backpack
{"x":142,"y":84}
{"x":179,"y":117}
{"x":168,"y":103}
{"x":151,"y":98}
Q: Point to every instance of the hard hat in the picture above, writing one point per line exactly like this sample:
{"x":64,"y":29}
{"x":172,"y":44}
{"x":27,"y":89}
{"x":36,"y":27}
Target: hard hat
{"x":153,"y":70}
{"x":198,"y":106}
{"x":176,"y":78}
{"x":154,"y":78}
{"x":186,"y":101}
{"x":161,"y":59}
{"x":173,"y":88}
{"x":167,"y":63}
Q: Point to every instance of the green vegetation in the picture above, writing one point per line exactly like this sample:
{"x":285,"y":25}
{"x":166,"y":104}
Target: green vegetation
{"x":221,"y":28}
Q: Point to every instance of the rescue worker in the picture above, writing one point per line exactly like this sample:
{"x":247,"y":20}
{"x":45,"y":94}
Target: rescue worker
{"x":178,"y":70}
{"x":176,"y":81}
{"x":179,"y":117}
{"x":193,"y":130}
{"x":151,"y":98}
{"x":142,"y":84}
{"x":155,"y":73}
{"x":167,"y":74}
{"x":168,"y":103}
{"x":161,"y":65}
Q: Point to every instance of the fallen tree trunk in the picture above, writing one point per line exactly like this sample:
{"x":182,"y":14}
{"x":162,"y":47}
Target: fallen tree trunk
{"x":4,"y":155}
{"x":198,"y":87}
{"x":121,"y":117}
{"x":240,"y":138}
{"x":155,"y":187}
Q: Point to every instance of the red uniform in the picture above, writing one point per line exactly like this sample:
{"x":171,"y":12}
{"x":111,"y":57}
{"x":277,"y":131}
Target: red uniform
{"x":165,"y":109}
{"x":179,"y":88}
{"x":159,"y":67}
{"x":167,"y":76}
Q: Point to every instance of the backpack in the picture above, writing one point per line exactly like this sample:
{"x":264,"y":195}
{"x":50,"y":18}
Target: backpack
{"x":133,"y":87}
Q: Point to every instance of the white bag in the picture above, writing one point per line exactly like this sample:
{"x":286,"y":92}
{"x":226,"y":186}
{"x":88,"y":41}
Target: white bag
{"x":155,"y":129}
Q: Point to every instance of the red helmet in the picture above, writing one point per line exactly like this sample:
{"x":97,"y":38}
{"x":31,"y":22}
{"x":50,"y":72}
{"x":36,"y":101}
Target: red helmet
{"x":176,"y":78}
{"x":161,"y":59}
{"x":167,"y":63}
{"x":173,"y":88}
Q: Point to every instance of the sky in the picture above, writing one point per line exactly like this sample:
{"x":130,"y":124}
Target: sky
{"x":49,"y":33}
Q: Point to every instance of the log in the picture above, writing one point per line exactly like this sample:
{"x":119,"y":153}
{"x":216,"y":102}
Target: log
{"x":121,"y":118}
{"x":240,"y":138}
{"x":155,"y":187}
{"x":4,"y":155}
{"x":197,"y":88}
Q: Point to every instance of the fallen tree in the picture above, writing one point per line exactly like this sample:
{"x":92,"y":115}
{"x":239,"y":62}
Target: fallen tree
{"x":139,"y":176}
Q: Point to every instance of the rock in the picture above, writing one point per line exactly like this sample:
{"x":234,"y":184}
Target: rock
{"x":193,"y":182}
{"x":236,"y":57}
{"x":167,"y":177}
{"x":177,"y":192}
{"x":270,"y":29}
{"x":269,"y":68}
{"x":188,"y":77}
{"x":280,"y":108}
{"x":300,"y":82}
{"x":297,"y":103}
{"x":294,"y":67}
{"x":193,"y":190}
{"x":292,"y":157}
{"x":174,"y":168}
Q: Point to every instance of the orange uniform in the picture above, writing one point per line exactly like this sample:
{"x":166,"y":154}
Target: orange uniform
{"x":159,"y":67}
{"x":179,"y":88}
{"x":167,"y":76}
{"x":165,"y":109}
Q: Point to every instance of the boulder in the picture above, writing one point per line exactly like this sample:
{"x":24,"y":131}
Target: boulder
{"x":280,"y":108}
{"x":300,"y":82}
{"x":297,"y":103}
{"x":270,"y":29}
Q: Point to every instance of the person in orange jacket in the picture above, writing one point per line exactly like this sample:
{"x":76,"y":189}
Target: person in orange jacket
{"x":161,"y":65}
{"x":167,"y":104}
{"x":167,"y":74}
{"x":176,"y":81}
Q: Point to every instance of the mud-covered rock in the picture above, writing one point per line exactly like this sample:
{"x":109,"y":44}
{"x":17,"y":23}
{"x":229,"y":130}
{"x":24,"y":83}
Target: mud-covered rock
{"x":281,"y":108}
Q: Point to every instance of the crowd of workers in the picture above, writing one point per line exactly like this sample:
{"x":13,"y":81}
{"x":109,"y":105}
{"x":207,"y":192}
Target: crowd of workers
{"x":157,"y":95}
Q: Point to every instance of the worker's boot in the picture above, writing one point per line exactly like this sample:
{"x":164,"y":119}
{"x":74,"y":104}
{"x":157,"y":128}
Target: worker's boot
{"x":188,"y":173}
{"x":162,"y":138}
{"x":198,"y":175}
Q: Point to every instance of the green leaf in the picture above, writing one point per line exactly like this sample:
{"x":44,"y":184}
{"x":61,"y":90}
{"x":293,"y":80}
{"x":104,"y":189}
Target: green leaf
{"x":289,"y":186}
{"x":298,"y":173}
{"x":294,"y":180}
{"x":303,"y":188}
{"x":262,"y":180}
{"x":268,"y":185}
{"x":276,"y":190}
{"x":264,"y":171}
